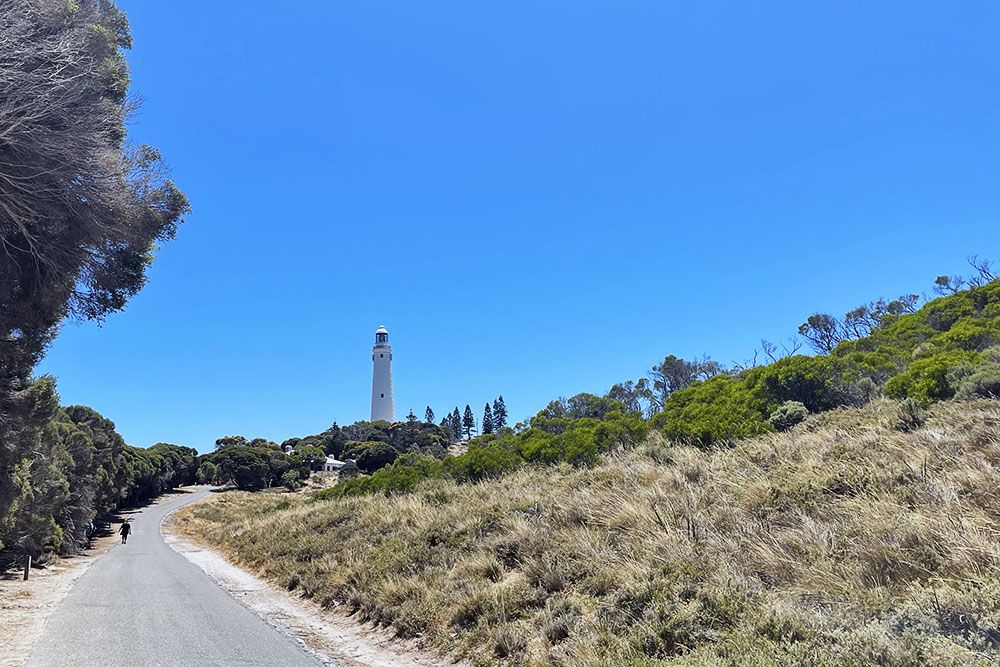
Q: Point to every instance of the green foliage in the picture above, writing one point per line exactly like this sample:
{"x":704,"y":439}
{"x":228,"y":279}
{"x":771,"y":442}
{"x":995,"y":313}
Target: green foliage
{"x":499,"y":413}
{"x":81,"y":214}
{"x":80,"y":469}
{"x":815,"y":382}
{"x":468,"y":422}
{"x":565,"y":439}
{"x":577,"y":446}
{"x":788,"y":415}
{"x":720,"y":409}
{"x":930,"y":378}
{"x":251,"y":465}
{"x":370,"y":455}
{"x":581,"y":406}
{"x":481,"y":462}
{"x":983,"y":382}
{"x":399,"y":477}
{"x":207,"y":473}
{"x":487,"y":420}
{"x":290,"y":480}
{"x":925,"y":355}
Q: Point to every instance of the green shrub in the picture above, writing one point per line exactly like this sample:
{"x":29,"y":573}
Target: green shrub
{"x":206,"y":473}
{"x":811,"y":381}
{"x":577,"y":446}
{"x":719,"y":409}
{"x":370,"y":455}
{"x":481,"y":462}
{"x":788,"y":415}
{"x":621,"y":431}
{"x":399,"y":477}
{"x":291,"y":481}
{"x":929,"y":379}
{"x":983,"y":382}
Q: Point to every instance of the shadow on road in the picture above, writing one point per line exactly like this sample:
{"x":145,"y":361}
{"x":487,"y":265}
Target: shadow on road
{"x":12,"y":561}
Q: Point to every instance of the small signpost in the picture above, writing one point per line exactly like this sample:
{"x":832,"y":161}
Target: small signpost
{"x":27,"y":566}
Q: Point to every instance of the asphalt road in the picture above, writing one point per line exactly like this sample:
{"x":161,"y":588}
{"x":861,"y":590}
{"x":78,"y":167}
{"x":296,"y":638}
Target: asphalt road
{"x":143,"y":604}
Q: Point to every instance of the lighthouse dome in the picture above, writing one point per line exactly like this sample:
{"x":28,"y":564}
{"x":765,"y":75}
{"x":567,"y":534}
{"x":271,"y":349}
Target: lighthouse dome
{"x":382,"y":329}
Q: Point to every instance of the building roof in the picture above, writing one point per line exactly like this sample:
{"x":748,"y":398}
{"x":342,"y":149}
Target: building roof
{"x":337,"y":464}
{"x":381,"y":329}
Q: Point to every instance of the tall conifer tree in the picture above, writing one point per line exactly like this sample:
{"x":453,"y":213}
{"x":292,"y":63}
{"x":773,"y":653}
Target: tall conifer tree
{"x":487,"y":419}
{"x":499,"y":413}
{"x":468,"y":422}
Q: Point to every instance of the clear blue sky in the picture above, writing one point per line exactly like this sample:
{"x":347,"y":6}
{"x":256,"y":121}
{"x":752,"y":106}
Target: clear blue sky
{"x":536,"y":199}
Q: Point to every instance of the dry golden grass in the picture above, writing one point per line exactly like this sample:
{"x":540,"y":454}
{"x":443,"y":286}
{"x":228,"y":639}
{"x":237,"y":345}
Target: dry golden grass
{"x":842,"y":542}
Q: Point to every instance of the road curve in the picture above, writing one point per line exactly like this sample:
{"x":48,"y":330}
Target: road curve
{"x":144,"y":604}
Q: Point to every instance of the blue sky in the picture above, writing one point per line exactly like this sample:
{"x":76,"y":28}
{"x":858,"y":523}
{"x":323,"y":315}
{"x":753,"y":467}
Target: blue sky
{"x":536,"y":199}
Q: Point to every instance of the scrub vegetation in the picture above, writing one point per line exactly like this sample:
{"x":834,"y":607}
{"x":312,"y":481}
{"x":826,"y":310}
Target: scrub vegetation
{"x":845,"y":540}
{"x":836,"y":509}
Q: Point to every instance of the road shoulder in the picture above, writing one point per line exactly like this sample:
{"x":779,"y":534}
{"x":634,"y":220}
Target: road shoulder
{"x":333,"y":637}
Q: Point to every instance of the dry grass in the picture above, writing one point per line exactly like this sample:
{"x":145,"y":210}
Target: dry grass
{"x":841,"y":542}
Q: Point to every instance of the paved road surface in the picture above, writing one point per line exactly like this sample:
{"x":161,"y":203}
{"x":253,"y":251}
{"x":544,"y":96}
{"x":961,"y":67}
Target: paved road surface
{"x":143,"y":604}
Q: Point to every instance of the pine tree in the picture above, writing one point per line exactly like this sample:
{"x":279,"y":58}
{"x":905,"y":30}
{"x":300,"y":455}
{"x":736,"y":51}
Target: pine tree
{"x":487,"y":420}
{"x":411,"y":418}
{"x":456,"y":423}
{"x":468,"y":422}
{"x":429,"y":415}
{"x":499,"y":414}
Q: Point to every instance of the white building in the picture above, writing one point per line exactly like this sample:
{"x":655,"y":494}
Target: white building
{"x":383,"y":406}
{"x":333,"y":465}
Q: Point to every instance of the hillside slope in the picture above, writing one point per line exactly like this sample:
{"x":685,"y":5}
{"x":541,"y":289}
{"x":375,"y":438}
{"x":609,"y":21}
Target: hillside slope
{"x":844,"y":541}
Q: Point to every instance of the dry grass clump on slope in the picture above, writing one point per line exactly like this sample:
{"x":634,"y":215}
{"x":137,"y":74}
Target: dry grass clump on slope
{"x":842,"y":542}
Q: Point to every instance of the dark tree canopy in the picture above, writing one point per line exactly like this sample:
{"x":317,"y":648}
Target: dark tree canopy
{"x":499,"y":413}
{"x":468,"y":422}
{"x":81,"y":212}
{"x":487,"y":420}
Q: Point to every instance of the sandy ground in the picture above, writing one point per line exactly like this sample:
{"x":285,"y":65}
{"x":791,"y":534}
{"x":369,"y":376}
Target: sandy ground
{"x":25,"y":606}
{"x":334,"y":638}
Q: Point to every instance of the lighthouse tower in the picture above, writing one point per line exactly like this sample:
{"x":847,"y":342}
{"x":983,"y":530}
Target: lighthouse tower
{"x":383,"y":407}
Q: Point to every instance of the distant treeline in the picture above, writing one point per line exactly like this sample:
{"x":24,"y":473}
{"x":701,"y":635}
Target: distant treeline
{"x":260,"y":463}
{"x":948,"y":347}
{"x":79,"y":471}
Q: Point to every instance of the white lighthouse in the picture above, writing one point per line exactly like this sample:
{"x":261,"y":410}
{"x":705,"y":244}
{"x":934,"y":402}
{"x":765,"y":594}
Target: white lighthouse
{"x":383,"y":407}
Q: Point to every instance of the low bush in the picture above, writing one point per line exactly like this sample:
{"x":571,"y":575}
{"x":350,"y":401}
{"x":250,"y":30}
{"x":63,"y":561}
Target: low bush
{"x":370,"y":455}
{"x":983,"y":382}
{"x":481,"y":462}
{"x":788,"y":415}
{"x":291,"y":480}
{"x":720,"y":409}
{"x":930,"y":378}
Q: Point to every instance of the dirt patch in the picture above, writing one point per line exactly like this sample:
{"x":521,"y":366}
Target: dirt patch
{"x":26,"y":605}
{"x":334,"y":638}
